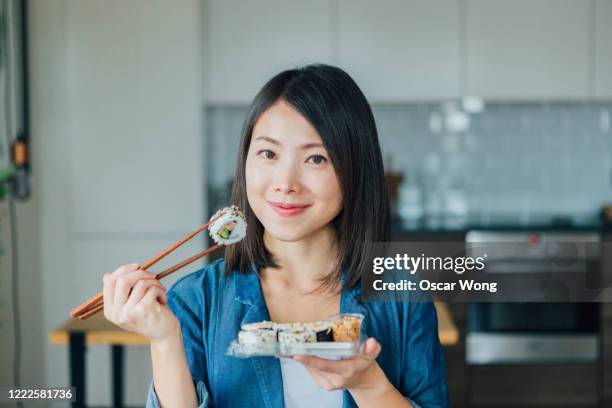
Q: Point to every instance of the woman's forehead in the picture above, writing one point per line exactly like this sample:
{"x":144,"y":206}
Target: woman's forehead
{"x":284,"y":125}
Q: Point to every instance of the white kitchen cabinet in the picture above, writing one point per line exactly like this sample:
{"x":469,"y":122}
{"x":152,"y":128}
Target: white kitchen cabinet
{"x":249,"y":41}
{"x":400,"y":50}
{"x":528,"y":49}
{"x":603,"y":49}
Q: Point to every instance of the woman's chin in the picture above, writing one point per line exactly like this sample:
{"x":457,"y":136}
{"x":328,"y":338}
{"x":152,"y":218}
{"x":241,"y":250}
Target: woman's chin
{"x":288,"y":236}
{"x":286,"y":233}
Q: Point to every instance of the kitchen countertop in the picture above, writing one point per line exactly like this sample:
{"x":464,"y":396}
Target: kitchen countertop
{"x":97,"y":330}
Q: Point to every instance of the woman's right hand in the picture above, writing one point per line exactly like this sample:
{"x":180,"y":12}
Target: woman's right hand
{"x":145,"y":309}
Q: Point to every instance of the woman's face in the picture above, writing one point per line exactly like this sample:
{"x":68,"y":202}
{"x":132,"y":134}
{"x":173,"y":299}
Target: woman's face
{"x":291,"y":183}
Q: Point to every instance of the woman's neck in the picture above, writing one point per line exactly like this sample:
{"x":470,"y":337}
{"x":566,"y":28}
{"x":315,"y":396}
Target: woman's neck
{"x":303,"y":263}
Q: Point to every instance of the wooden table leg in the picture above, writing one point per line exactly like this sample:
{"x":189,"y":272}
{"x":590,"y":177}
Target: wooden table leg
{"x":117,"y":352}
{"x":77,"y":367}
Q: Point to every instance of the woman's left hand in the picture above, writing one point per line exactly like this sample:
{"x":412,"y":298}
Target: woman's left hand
{"x":359,"y":372}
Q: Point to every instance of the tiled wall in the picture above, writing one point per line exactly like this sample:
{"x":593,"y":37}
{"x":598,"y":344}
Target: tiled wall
{"x":223,"y":126}
{"x":523,"y":161}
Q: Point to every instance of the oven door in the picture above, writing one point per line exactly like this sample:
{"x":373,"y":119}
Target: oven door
{"x":533,"y":333}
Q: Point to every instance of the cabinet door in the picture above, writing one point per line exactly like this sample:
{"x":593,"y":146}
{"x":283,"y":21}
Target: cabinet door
{"x":528,"y":48}
{"x":603,"y":48}
{"x":400,"y":50}
{"x":248,"y":42}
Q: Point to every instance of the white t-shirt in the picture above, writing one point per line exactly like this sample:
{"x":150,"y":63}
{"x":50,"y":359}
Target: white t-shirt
{"x":301,"y":391}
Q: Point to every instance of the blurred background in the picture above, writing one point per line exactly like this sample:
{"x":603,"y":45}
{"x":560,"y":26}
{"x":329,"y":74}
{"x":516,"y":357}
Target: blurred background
{"x":120,"y":126}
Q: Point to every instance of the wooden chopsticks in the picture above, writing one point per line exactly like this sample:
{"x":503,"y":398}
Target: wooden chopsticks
{"x":90,"y":312}
{"x":94,"y":304}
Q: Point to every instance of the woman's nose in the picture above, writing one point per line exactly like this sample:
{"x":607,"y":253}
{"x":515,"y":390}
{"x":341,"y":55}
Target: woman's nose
{"x":286,"y":180}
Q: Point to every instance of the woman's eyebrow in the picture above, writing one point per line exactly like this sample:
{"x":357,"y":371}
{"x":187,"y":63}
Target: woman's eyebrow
{"x":276,"y":142}
{"x":268,"y":139}
{"x":311,"y":145}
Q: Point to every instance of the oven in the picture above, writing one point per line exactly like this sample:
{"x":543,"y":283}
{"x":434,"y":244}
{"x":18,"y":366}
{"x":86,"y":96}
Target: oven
{"x":532,"y":332}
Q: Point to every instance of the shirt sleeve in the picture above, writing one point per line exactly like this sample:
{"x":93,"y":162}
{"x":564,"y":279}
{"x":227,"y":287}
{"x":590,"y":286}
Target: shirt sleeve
{"x":183,"y":301}
{"x":414,"y":404}
{"x":424,"y":374}
{"x":203,"y":396}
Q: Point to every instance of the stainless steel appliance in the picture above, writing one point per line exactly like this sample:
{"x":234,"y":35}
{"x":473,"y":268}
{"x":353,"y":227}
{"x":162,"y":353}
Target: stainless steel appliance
{"x":533,"y":333}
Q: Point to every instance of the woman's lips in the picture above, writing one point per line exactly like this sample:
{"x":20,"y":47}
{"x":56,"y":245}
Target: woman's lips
{"x":288,"y":210}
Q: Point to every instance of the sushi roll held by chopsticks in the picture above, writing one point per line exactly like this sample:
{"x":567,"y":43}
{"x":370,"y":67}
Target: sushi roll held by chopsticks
{"x":226,"y":227}
{"x":229,"y":226}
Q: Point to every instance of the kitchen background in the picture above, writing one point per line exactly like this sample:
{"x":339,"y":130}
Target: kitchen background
{"x":467,"y":162}
{"x":491,"y":113}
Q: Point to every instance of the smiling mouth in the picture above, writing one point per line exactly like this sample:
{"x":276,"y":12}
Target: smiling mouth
{"x":288,"y":210}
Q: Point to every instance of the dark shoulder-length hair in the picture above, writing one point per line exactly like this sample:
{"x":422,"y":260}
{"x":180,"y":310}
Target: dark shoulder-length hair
{"x":334,"y":105}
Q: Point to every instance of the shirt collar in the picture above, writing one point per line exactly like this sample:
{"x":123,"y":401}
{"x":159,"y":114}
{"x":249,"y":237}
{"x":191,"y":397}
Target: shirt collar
{"x":247,"y":287}
{"x":355,"y":290}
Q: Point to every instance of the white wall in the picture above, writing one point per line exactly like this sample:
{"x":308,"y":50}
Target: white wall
{"x":117,"y":120}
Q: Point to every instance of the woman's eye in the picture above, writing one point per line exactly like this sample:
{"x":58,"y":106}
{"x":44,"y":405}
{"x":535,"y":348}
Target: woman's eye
{"x":267,"y":154}
{"x":317,"y":159}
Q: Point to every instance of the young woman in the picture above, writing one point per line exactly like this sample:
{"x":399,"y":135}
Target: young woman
{"x":309,"y":179}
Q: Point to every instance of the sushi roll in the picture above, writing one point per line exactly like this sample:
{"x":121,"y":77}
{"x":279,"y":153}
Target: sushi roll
{"x":287,"y":326}
{"x":296,"y":336}
{"x":229,"y":226}
{"x":323,"y":330}
{"x":260,"y":336}
{"x":257,"y":341}
{"x":288,"y":340}
{"x":259,"y":325}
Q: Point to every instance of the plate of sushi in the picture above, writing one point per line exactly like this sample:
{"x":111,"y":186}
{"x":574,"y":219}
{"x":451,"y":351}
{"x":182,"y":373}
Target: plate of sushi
{"x":337,"y":337}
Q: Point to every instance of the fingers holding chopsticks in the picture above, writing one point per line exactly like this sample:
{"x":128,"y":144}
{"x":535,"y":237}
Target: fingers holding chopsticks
{"x":153,"y":298}
{"x":126,"y":280}
{"x":143,"y":287}
{"x":136,"y":301}
{"x":119,"y":284}
{"x":110,"y":283}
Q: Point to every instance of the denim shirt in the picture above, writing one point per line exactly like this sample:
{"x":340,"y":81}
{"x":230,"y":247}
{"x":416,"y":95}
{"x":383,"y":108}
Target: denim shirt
{"x":211,"y":307}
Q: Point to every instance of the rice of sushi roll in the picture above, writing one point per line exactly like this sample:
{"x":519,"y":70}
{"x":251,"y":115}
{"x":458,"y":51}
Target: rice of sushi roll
{"x":296,"y":336}
{"x":259,"y":325}
{"x":229,"y":226}
{"x":288,"y":326}
{"x":289,"y":339}
{"x":257,"y":341}
{"x":260,"y":336}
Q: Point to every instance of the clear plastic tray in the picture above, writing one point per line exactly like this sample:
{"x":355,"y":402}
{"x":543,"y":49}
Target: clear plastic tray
{"x":324,"y":349}
{"x":328,"y":349}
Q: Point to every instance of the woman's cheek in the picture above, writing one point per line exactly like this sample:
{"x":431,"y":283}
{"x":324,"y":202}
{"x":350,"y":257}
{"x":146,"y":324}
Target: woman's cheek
{"x":254,"y":178}
{"x":256,"y":196}
{"x":328,"y":187}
